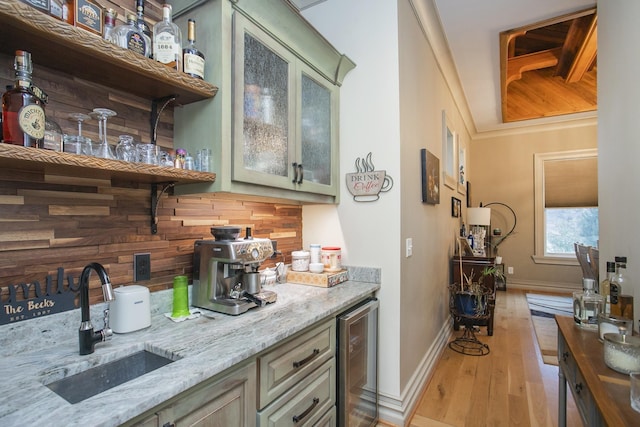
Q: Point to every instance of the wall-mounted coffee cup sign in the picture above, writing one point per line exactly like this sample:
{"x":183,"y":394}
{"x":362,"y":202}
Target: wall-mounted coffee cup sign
{"x":366,"y":183}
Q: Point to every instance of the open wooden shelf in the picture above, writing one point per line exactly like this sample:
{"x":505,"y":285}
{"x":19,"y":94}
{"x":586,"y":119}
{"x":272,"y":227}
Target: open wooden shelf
{"x":67,"y":164}
{"x":57,"y":45}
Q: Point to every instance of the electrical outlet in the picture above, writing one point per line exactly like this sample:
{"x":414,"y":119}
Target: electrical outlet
{"x":409,"y":247}
{"x":509,"y":270}
{"x":141,"y":267}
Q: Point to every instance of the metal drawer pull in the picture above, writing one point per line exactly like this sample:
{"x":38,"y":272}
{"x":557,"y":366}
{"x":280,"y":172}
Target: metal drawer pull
{"x":316,"y":351}
{"x":298,"y":418}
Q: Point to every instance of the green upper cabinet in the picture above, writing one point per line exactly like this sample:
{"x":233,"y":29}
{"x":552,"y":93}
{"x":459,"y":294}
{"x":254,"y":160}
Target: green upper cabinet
{"x":273,"y":126}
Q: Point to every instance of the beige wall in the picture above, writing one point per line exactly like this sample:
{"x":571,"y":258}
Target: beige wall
{"x":502,"y":171}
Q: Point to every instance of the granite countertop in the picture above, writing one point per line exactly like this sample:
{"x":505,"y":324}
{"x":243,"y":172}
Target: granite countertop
{"x":40,"y":351}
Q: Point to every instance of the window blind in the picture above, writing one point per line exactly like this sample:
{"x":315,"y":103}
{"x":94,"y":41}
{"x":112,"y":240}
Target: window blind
{"x":571,"y":183}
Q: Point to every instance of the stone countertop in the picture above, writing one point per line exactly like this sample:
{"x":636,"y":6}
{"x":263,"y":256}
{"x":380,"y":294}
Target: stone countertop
{"x":202,"y":347}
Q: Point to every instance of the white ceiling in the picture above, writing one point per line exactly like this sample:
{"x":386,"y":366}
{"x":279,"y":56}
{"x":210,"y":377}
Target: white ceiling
{"x":471,"y":34}
{"x":472,"y":29}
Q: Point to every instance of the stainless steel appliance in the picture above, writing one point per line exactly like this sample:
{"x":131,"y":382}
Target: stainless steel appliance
{"x":225,"y":271}
{"x":358,"y":365}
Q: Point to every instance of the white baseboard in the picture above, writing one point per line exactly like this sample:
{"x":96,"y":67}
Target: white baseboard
{"x":397,"y":410}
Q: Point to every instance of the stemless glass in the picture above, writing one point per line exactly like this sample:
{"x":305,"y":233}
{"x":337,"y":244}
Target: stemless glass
{"x":147,"y":153}
{"x":126,"y":150}
{"x":103,"y":149}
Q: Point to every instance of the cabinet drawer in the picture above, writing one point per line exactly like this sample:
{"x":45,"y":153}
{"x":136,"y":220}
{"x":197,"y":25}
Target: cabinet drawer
{"x":305,"y":404}
{"x":330,"y":419}
{"x":283,"y":367}
{"x":565,"y":359}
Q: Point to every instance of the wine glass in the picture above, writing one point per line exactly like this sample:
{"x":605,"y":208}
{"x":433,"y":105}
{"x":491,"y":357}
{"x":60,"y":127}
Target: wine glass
{"x":79,"y":117}
{"x":103,"y":149}
{"x":77,"y":143}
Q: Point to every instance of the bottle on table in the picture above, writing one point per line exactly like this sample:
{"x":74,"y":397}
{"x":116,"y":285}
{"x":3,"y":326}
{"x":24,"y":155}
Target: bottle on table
{"x":605,"y":286}
{"x":23,"y":117}
{"x":587,"y":305}
{"x":621,"y":291}
{"x":192,"y":59}
{"x":167,"y":41}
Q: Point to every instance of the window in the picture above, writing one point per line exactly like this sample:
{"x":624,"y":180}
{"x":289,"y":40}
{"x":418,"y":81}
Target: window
{"x":566,"y":204}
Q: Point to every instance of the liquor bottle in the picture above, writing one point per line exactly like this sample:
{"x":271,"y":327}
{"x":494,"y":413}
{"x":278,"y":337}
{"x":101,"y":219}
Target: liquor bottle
{"x":605,"y":286}
{"x":621,"y":294}
{"x":110,"y":16}
{"x":68,"y":11}
{"x":23,"y":118}
{"x":587,"y":305}
{"x":129,"y":36}
{"x":167,"y":41}
{"x":56,"y":9}
{"x":142,"y":24}
{"x":192,"y":59}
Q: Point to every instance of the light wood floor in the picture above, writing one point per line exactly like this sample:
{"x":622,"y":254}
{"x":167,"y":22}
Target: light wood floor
{"x":510,"y":386}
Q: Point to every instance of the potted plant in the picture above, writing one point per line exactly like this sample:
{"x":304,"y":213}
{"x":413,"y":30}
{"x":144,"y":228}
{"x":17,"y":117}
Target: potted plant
{"x":471,"y":298}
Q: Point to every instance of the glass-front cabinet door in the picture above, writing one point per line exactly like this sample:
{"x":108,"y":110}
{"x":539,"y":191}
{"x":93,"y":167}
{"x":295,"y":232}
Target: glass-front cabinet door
{"x":284,"y":132}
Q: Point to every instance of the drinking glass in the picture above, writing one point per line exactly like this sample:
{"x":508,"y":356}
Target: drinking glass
{"x":79,"y":117}
{"x":103,"y":149}
{"x":126,"y":150}
{"x":188,"y":163}
{"x":77,"y":145}
{"x":147,"y":153}
{"x":164,"y":159}
{"x":203,"y":160}
{"x":634,"y":392}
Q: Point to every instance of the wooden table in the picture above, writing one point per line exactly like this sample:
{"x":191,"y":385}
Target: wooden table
{"x":601,"y":394}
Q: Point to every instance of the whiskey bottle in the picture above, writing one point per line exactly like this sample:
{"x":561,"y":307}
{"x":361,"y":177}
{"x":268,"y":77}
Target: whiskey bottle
{"x":23,"y":118}
{"x":167,"y":41}
{"x":192,"y":59}
{"x":605,"y":286}
{"x":129,"y":36}
{"x":110,"y":16}
{"x":621,"y":291}
{"x":142,"y":24}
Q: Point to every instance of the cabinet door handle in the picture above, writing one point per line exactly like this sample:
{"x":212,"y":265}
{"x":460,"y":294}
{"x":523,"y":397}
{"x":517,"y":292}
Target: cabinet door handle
{"x":578,"y":388}
{"x":300,"y":173}
{"x":565,"y":356}
{"x":295,"y":172}
{"x":307,"y":359}
{"x":298,"y":418}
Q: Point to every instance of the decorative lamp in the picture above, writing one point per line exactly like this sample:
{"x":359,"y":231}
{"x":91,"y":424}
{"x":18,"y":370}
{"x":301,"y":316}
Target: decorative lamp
{"x":479,"y":216}
{"x":498,"y":232}
{"x":479,"y":220}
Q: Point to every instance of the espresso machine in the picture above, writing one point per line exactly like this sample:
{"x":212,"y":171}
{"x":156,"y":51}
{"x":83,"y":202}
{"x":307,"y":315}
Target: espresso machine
{"x":225,"y":271}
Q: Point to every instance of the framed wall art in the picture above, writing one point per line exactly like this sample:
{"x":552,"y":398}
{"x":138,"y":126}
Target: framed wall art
{"x":449,"y":153}
{"x":456,"y":207}
{"x":430,"y":177}
{"x":462,"y":169}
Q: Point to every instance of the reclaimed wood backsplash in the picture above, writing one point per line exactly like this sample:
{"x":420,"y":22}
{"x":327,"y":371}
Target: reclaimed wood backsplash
{"x":48,"y":221}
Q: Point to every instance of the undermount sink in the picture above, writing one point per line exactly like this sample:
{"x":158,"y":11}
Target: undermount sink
{"x":83,"y":385}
